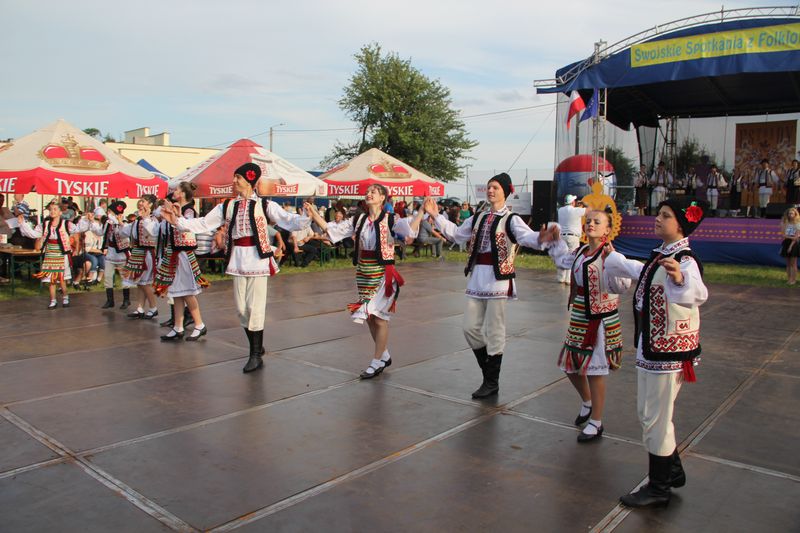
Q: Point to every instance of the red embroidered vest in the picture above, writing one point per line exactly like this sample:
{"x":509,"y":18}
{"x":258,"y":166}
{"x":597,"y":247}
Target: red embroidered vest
{"x":502,"y":244}
{"x":599,"y":303}
{"x":384,"y":242}
{"x":183,"y":240}
{"x":112,"y":238}
{"x":140,"y":237}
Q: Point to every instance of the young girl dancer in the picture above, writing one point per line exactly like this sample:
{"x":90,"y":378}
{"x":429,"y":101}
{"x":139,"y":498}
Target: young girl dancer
{"x":492,"y":236}
{"x":790,"y":249}
{"x":669,"y":292}
{"x":377,"y":279}
{"x":594,"y":339}
{"x":140,"y":266}
{"x":178,"y":274}
{"x":116,"y":248}
{"x":56,"y":250}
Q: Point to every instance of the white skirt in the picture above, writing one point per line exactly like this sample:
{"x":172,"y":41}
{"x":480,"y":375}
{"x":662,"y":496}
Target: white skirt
{"x":598,"y":364}
{"x":184,"y":283}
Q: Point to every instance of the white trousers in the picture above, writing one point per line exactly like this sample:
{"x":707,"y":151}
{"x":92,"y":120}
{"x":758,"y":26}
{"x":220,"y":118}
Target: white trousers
{"x":655,"y":403}
{"x":763,"y":196}
{"x":110,"y":269}
{"x":658,"y":195}
{"x":485,"y":324}
{"x":713,"y":197}
{"x":572,"y":242}
{"x":250,"y":295}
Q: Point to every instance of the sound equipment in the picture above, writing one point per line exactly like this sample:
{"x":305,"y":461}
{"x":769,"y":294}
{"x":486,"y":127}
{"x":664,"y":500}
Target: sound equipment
{"x":544,"y":203}
{"x":777,"y":210}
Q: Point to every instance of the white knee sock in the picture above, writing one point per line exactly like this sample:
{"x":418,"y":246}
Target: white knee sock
{"x":586,"y":407}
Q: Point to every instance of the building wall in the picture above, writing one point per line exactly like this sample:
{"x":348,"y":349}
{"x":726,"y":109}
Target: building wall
{"x":171,"y":160}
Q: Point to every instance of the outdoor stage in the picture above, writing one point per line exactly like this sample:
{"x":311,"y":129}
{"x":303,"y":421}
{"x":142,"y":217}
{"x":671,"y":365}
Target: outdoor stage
{"x":744,"y":241}
{"x":104,"y":428}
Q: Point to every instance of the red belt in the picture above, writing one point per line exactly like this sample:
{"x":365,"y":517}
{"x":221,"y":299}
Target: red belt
{"x":52,"y":241}
{"x":367,"y":254}
{"x":579,"y":291}
{"x":484,"y":259}
{"x":245,"y":241}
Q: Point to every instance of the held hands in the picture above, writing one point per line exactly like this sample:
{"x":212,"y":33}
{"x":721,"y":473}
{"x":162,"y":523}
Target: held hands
{"x":430,"y":207}
{"x":673,"y":269}
{"x":547,"y":235}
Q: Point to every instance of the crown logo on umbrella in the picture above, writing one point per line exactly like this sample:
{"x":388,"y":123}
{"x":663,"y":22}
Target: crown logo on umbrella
{"x":385,"y":169}
{"x":70,"y":154}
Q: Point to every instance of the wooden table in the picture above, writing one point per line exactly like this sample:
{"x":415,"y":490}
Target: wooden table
{"x":11,"y":255}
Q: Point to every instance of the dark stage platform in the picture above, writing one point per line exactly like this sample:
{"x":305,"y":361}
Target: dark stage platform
{"x":103,"y":428}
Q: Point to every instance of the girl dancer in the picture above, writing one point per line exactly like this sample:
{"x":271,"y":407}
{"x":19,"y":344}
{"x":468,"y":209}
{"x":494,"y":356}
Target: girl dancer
{"x":116,"y":248}
{"x":492,"y":236}
{"x":138,"y":270}
{"x":56,"y":250}
{"x":377,"y":279}
{"x":594,"y":339}
{"x":178,"y":274}
{"x":790,"y":227}
{"x":669,"y":292}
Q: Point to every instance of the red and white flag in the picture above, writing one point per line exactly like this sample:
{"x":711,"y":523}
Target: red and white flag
{"x":576,"y":105}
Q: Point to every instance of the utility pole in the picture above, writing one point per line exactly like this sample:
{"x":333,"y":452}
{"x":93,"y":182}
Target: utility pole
{"x":270,"y":133}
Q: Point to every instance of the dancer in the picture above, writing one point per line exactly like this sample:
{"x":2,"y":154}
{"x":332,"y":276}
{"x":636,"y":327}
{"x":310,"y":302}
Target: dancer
{"x":790,"y":227}
{"x":594,"y":338}
{"x":714,"y":182}
{"x":492,"y":236}
{"x":116,"y":249}
{"x":668,"y":295}
{"x":660,"y":181}
{"x":55,"y":269}
{"x":140,"y":266}
{"x":377,"y":279}
{"x":765,"y":179}
{"x":642,"y":196}
{"x":178,"y":274}
{"x":248,"y":253}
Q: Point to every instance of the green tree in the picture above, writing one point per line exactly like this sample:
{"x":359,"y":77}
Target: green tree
{"x":690,"y":153}
{"x":402,"y":112}
{"x":624,"y":169}
{"x":93,"y":132}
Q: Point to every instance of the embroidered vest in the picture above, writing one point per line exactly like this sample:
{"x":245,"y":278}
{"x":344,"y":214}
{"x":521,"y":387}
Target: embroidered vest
{"x":763,"y":178}
{"x":599,"y":303}
{"x":257,"y":218}
{"x":670,"y":332}
{"x":62,"y":235}
{"x":183,"y":240}
{"x":140,"y":238}
{"x":384,"y":242}
{"x":112,"y":238}
{"x":502,"y":244}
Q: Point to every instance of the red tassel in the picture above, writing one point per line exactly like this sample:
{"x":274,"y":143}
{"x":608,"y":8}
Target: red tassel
{"x":392,"y":275}
{"x":591,"y":334}
{"x":354,"y":307}
{"x":688,"y":372}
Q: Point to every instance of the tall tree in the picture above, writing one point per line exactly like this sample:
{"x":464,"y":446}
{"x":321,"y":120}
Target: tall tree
{"x":402,"y":112}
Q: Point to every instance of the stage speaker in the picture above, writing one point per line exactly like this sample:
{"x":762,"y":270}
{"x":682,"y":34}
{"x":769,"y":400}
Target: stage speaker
{"x":544,"y":200}
{"x":777,"y":210}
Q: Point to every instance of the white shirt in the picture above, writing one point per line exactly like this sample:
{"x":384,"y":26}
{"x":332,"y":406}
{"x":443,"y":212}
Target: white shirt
{"x":692,"y":293}
{"x":569,"y":218}
{"x":481,"y":283}
{"x":661,"y":179}
{"x":245,"y":260}
{"x":566,"y":259}
{"x":98,"y":229}
{"x":37,"y":232}
{"x":99,"y":212}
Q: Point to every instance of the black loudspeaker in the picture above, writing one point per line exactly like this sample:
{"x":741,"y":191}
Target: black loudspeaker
{"x":543,"y":203}
{"x":777,"y":210}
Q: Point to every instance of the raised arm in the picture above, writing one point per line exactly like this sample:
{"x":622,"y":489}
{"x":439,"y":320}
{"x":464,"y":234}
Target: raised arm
{"x":26,"y":229}
{"x":286,"y":220}
{"x":336,"y":230}
{"x":538,"y":240}
{"x":618,"y":266}
{"x":685,"y":284}
{"x":207,"y":224}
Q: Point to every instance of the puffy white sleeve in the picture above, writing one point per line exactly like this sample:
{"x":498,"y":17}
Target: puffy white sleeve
{"x":525,"y":235}
{"x":207,"y":224}
{"x":151,"y":226}
{"x":692,"y":292}
{"x":341,"y":230}
{"x":561,"y":256}
{"x":457,"y":234}
{"x":126,"y":231}
{"x":81,"y":227}
{"x":286,"y":220}
{"x":402,"y":228}
{"x":28,"y":231}
{"x":617,"y":265}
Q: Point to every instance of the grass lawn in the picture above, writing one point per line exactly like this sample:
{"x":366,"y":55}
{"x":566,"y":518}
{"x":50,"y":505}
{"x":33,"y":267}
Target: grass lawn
{"x":762,"y":276}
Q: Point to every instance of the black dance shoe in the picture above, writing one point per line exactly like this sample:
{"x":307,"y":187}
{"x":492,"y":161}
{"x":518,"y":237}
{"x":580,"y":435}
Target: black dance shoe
{"x":581,"y":420}
{"x":585,"y":437}
{"x":172,"y":338}
{"x":375,"y":372}
{"x":136,"y":315}
{"x":194,"y":337}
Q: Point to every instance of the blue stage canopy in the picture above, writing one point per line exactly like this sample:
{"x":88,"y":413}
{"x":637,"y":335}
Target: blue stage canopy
{"x":146,"y":165}
{"x":740,"y":67}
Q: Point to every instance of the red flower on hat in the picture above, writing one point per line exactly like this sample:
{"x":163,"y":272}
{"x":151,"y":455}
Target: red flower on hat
{"x":251,"y":174}
{"x":694,"y":213}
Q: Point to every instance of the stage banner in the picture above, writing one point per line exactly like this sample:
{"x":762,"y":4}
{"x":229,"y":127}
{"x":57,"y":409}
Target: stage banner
{"x":744,"y":241}
{"x":774,"y":141}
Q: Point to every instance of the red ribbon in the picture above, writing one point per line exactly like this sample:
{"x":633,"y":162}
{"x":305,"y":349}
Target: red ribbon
{"x":392,"y":275}
{"x":688,"y":372}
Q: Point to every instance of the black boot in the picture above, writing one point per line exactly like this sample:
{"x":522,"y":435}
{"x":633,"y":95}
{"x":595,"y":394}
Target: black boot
{"x":249,"y":333}
{"x":254,"y":362}
{"x":126,"y":299}
{"x":187,"y":317}
{"x":491,"y":377}
{"x":656,"y":493}
{"x":109,"y":299}
{"x":171,"y":322}
{"x":677,"y":476}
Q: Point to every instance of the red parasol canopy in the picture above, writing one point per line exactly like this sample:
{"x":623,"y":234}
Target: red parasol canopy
{"x":375,"y":166}
{"x":60,"y":159}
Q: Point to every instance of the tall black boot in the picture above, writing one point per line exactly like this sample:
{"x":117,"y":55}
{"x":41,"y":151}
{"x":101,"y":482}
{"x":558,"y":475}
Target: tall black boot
{"x":491,"y":377}
{"x":254,"y":362}
{"x":677,"y":476}
{"x":481,"y":355}
{"x":126,"y":299}
{"x":109,"y":299}
{"x":188,"y":320}
{"x":656,"y":493}
{"x":171,"y":322}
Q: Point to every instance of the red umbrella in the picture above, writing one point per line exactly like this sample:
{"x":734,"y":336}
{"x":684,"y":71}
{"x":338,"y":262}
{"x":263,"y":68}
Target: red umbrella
{"x":59,"y":159}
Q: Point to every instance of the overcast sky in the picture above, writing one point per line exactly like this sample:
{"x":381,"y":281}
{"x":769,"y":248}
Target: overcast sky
{"x":210,"y":72}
